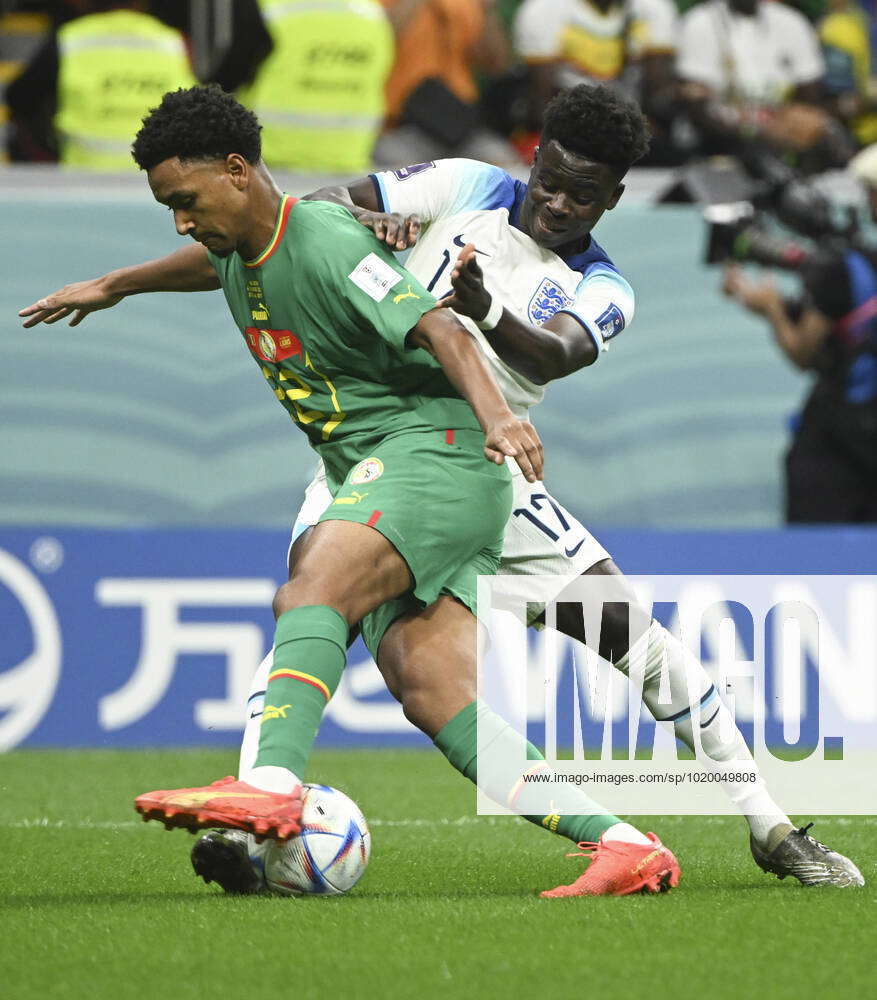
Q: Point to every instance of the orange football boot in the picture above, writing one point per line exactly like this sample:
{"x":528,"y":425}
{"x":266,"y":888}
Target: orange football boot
{"x":226,"y":803}
{"x":618,"y":868}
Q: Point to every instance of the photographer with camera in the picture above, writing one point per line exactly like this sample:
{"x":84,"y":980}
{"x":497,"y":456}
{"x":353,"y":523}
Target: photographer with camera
{"x":831,"y":467}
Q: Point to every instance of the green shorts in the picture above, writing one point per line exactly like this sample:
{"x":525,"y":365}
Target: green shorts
{"x":443,"y":506}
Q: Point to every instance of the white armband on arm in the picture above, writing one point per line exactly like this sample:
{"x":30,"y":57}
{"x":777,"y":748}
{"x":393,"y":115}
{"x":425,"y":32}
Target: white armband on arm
{"x":494,"y":315}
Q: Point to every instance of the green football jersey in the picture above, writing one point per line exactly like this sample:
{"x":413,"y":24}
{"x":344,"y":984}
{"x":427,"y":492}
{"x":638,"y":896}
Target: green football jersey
{"x":325,"y":310}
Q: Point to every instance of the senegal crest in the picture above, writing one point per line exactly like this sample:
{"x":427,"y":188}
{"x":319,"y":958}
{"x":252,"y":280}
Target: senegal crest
{"x":548,"y":298}
{"x":368,"y":470}
{"x":267,"y":346}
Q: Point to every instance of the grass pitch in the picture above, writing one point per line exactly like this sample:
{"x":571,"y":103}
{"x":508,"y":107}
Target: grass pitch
{"x":95,"y":903}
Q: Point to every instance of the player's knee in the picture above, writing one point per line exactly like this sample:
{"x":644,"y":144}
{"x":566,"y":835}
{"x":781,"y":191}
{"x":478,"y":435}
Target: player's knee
{"x":415,"y":706}
{"x":301,"y":592}
{"x":285,"y":599}
{"x":280,"y":602}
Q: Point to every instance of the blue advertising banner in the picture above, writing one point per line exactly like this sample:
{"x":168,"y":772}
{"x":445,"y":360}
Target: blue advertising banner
{"x":125,"y":638}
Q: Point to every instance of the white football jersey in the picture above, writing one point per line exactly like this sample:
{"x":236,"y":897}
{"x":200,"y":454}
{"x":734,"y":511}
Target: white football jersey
{"x":464,"y":201}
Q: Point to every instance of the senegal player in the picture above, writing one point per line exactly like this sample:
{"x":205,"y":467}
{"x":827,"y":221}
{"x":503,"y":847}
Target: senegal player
{"x":391,"y":391}
{"x":520,"y":266}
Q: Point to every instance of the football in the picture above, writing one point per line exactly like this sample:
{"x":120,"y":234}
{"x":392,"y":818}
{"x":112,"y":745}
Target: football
{"x":330,"y":854}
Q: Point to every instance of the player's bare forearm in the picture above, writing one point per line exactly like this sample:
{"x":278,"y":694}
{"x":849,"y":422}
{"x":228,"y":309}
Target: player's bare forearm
{"x":464,"y":364}
{"x":337,"y":195}
{"x":357,"y":196}
{"x":540,"y":353}
{"x":186,"y":270}
{"x":399,"y":232}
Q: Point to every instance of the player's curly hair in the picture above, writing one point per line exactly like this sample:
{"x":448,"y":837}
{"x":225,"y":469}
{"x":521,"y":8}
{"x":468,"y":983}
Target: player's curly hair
{"x":201,"y":123}
{"x":599,"y":123}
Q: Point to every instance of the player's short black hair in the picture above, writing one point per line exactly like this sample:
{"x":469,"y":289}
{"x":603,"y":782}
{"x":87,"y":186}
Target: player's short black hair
{"x":201,"y":123}
{"x":598,"y":123}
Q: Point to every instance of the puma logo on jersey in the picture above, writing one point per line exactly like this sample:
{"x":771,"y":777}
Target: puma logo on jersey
{"x":353,"y":498}
{"x":404,"y":295}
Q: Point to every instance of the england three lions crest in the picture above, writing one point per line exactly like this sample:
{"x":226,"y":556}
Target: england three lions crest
{"x":548,"y":298}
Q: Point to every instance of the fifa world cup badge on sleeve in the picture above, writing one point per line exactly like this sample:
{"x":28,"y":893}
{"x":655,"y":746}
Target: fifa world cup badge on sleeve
{"x":403,"y":173}
{"x":375,"y":277}
{"x":610,"y":322}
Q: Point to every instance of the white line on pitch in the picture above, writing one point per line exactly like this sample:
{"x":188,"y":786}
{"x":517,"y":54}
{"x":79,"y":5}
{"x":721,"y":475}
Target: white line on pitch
{"x":44,"y":823}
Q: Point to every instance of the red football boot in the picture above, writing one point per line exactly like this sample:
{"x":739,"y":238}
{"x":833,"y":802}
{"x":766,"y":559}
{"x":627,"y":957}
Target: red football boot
{"x":618,"y":869}
{"x":225,"y":803}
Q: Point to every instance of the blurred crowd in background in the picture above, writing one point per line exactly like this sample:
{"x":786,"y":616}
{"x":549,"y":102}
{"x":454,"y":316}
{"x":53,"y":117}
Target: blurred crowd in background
{"x":783,"y":89}
{"x":342,"y":85}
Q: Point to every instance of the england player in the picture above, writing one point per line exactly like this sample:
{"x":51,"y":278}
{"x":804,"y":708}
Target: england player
{"x":338,"y":329}
{"x":519,"y":265}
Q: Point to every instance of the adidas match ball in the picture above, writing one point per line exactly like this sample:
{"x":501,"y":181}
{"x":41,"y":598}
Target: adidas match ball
{"x":330,"y":854}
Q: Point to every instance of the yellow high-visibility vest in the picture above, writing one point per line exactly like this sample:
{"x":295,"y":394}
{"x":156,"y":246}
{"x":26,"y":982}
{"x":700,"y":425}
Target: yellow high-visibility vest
{"x":320,"y":94}
{"x":848,"y":31}
{"x":114,"y":67}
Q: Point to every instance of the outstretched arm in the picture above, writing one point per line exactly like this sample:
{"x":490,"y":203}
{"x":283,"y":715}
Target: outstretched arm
{"x":540,"y":353}
{"x":454,"y":348}
{"x":185,"y":270}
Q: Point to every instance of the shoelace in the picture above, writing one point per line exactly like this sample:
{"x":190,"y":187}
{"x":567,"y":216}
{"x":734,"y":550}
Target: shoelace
{"x":803,"y":831}
{"x":590,"y":848}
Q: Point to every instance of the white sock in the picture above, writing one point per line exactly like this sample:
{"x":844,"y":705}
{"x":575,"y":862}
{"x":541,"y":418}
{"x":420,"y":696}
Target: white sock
{"x":255,"y":701}
{"x":270,"y":778}
{"x":267,"y":777}
{"x":627,"y":833}
{"x":665,"y":662}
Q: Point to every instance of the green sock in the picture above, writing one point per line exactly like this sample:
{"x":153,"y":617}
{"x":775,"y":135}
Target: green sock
{"x":500,"y":747}
{"x":310,"y":651}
